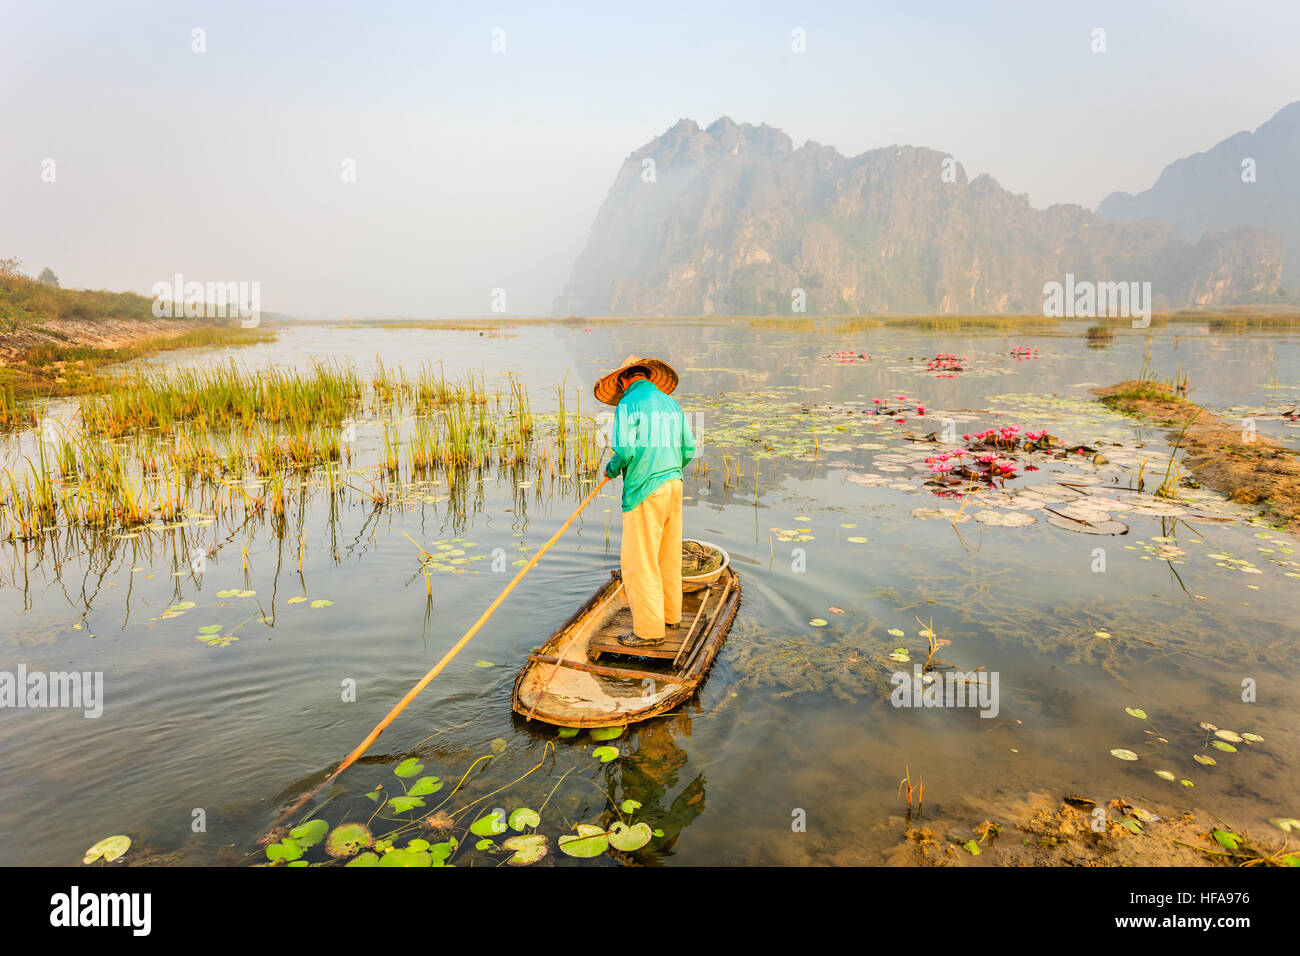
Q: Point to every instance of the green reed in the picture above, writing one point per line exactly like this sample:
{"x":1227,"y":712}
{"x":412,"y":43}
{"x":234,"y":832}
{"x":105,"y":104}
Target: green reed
{"x":154,"y":445}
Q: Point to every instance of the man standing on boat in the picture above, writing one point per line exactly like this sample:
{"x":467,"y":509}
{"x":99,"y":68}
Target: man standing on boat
{"x":652,"y":442}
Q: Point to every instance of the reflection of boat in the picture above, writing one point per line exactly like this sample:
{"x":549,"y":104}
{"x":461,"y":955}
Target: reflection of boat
{"x":583,"y":677}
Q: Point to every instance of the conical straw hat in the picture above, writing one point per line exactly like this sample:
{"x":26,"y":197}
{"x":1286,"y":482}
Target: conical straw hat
{"x":661,"y":374}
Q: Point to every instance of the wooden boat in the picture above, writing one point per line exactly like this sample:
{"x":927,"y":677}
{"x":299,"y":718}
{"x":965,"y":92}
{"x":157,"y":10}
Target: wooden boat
{"x":583,"y":677}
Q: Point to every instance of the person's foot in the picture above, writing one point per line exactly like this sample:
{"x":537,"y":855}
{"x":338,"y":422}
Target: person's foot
{"x":673,"y":627}
{"x":631,"y":640}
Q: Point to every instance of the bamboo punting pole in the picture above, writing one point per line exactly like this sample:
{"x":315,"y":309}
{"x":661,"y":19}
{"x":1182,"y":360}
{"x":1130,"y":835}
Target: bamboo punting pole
{"x":362,"y":747}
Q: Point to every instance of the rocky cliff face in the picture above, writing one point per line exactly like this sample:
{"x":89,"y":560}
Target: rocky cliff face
{"x":1248,"y":180}
{"x":733,"y":218}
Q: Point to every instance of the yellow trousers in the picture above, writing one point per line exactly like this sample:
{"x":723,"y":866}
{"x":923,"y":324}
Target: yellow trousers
{"x":652,"y":561}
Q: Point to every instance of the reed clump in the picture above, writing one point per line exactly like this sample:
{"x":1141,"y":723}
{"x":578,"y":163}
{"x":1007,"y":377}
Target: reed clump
{"x":222,"y":396}
{"x":157,"y":445}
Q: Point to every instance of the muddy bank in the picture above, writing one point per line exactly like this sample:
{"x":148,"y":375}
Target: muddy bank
{"x":1054,"y":829}
{"x":59,"y":356}
{"x":1249,"y":468}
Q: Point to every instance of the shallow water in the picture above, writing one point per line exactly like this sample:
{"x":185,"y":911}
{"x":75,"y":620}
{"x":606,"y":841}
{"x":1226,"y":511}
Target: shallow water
{"x":793,"y":717}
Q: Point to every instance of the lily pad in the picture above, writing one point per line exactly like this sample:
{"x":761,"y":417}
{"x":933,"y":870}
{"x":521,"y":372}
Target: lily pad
{"x":588,"y":842}
{"x":1229,"y":735}
{"x":365,"y":859}
{"x":629,"y":838}
{"x":630,"y":806}
{"x":565,"y":733}
{"x":1227,"y":839}
{"x":347,"y":839}
{"x":491,"y":824}
{"x":605,"y":754}
{"x":286,"y":849}
{"x":424,"y":786}
{"x":321,"y":602}
{"x":1224,"y":746}
{"x":607,"y":733}
{"x":400,"y":857}
{"x":1203,"y":759}
{"x":439,"y":852}
{"x":524,"y":817}
{"x":1136,"y":712}
{"x":310,"y":833}
{"x":1123,"y":754}
{"x":299,"y":599}
{"x":525,"y":849}
{"x":108,"y":849}
{"x":1165,"y":775}
{"x":487,"y":843}
{"x":410,"y":767}
{"x":405,"y":804}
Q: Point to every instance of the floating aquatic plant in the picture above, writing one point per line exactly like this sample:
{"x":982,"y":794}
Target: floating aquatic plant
{"x":525,"y":849}
{"x":108,"y":849}
{"x":588,"y":842}
{"x":348,"y":839}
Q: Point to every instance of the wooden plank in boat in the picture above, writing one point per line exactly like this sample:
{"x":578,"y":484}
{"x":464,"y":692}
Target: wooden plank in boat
{"x":559,"y":685}
{"x":605,"y":641}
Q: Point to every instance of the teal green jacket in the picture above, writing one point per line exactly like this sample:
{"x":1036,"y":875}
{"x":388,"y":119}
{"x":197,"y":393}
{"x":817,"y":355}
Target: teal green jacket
{"x":652,"y":442}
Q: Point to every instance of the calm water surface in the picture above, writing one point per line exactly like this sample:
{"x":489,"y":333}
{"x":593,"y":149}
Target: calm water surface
{"x":794,"y":716}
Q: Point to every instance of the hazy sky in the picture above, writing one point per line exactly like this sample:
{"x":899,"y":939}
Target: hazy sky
{"x":478,"y":170}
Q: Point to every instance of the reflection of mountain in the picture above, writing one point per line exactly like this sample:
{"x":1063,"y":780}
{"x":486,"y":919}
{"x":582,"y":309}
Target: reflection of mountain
{"x":735,"y":218}
{"x":1205,"y":193}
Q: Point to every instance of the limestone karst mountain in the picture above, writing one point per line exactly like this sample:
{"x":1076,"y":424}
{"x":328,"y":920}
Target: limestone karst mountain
{"x":734,"y":218}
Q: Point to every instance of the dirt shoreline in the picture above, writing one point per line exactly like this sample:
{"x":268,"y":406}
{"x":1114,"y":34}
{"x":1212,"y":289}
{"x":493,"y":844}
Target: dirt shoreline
{"x":59,"y":356}
{"x":1249,"y":468}
{"x":1046,"y":828}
